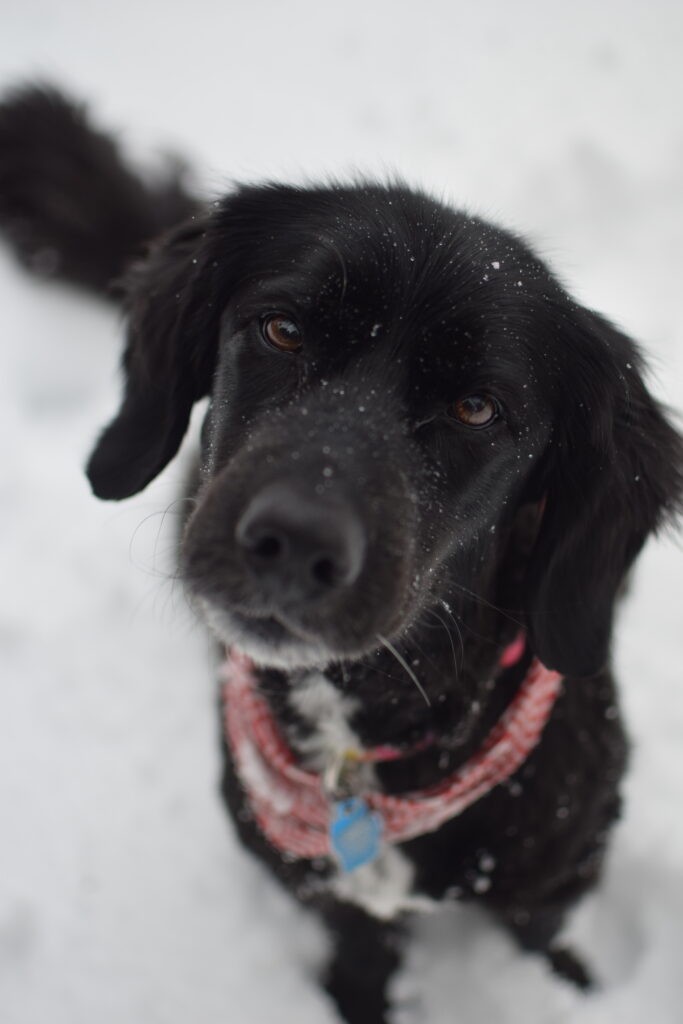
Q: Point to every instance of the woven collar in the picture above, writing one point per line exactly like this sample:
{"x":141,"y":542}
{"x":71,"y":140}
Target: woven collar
{"x":292,"y":806}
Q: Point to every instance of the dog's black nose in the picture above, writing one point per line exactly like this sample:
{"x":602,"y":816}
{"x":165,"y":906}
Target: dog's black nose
{"x":300,"y":546}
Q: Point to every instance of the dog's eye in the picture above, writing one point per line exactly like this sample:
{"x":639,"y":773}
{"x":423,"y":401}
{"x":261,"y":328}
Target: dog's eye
{"x":281,"y":332}
{"x":474,"y":410}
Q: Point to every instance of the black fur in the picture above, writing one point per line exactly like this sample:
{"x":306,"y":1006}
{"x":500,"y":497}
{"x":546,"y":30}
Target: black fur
{"x":69,"y":205}
{"x":343,"y":505}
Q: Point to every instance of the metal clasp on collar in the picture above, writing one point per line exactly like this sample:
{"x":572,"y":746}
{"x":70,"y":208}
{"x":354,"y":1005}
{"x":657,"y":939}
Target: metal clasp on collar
{"x":342,"y":776}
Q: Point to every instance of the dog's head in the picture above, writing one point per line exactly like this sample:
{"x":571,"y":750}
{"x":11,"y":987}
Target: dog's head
{"x":391,"y":383}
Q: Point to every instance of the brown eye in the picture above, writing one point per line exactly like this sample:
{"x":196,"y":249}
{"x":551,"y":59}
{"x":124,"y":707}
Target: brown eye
{"x":282,"y":333}
{"x":474,"y":411}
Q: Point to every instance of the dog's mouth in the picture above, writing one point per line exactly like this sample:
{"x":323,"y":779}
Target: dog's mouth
{"x":265,"y":627}
{"x":266,"y":638}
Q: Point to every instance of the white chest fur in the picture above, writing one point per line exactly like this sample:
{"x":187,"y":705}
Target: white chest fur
{"x":328,"y":712}
{"x":383,"y":887}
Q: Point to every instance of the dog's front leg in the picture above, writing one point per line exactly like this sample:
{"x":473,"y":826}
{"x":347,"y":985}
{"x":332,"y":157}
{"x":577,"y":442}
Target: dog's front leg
{"x":365,"y":953}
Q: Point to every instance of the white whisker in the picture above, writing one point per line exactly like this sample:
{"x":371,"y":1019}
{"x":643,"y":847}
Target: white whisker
{"x":401,"y":660}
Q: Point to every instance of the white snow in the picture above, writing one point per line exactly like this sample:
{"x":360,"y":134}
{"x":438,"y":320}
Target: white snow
{"x":123,"y":894}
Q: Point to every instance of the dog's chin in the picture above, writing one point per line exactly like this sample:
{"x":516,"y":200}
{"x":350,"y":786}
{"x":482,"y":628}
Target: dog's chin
{"x":266,"y":640}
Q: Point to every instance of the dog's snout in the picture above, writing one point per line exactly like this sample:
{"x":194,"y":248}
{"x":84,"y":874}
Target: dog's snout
{"x":298,"y":546}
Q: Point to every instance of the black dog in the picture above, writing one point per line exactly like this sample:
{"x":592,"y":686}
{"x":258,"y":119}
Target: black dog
{"x":425,"y":473}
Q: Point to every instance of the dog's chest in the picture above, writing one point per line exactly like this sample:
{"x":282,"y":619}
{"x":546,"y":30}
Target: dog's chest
{"x":385,"y":886}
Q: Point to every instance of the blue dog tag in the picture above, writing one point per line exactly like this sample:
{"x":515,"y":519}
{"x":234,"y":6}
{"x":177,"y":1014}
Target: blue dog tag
{"x":355,"y":833}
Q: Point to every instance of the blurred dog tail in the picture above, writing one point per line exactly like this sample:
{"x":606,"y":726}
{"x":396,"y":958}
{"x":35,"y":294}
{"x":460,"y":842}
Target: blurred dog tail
{"x":69,"y":205}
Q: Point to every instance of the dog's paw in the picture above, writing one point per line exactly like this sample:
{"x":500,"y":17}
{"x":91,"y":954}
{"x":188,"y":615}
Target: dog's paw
{"x":566,"y":964}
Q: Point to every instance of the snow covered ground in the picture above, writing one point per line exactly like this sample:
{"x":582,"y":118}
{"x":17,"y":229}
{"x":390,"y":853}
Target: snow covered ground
{"x":123,"y":896}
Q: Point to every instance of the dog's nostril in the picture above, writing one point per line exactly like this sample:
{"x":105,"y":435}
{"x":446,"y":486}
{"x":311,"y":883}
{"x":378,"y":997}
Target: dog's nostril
{"x":325,"y":572}
{"x":268,"y":548}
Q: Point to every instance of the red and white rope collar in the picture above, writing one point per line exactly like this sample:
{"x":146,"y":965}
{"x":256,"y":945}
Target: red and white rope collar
{"x":293,"y":807}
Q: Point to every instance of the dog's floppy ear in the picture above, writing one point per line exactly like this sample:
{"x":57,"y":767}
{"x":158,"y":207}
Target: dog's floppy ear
{"x":168,"y":362}
{"x":614,"y":474}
